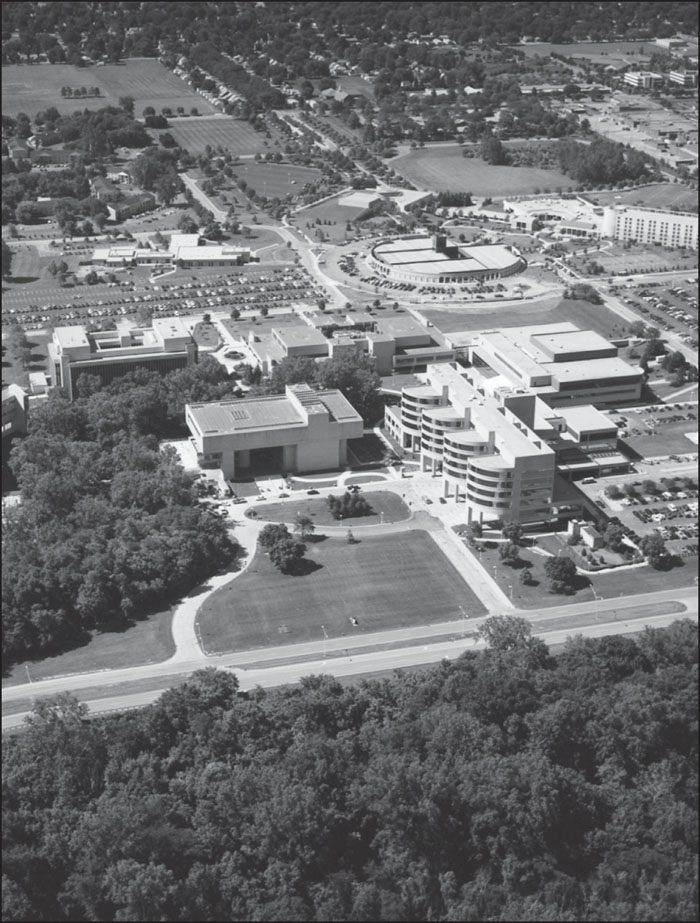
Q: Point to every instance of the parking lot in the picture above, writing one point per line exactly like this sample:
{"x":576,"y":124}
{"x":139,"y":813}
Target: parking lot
{"x":671,"y":307}
{"x":657,"y":429}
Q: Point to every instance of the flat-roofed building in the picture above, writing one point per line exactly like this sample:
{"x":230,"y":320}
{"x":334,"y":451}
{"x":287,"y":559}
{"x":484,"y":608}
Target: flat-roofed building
{"x":643,"y":80}
{"x":684,"y":78}
{"x":300,"y":431}
{"x":163,"y":347}
{"x":489,"y":458}
{"x":15,"y":405}
{"x":557,"y":362}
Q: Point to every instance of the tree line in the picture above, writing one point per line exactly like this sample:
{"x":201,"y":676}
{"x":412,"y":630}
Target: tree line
{"x":109,"y":528}
{"x":505,"y":785}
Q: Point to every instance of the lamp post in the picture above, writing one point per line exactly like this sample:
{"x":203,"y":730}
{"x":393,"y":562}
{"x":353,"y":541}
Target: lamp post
{"x":29,"y":679}
{"x":465,"y":617}
{"x":325,"y":639}
{"x":510,"y":587}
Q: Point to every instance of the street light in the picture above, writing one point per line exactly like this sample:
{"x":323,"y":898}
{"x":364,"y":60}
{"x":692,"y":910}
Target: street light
{"x":325,"y":639}
{"x":511,"y":592}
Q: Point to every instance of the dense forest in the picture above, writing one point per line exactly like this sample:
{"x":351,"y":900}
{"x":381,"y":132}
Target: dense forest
{"x":506,"y":785}
{"x":109,"y":527}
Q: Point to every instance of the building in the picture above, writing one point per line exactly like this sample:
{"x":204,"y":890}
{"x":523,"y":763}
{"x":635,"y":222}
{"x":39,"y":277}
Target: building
{"x":684,"y":78}
{"x":183,"y":250}
{"x":488,"y":458}
{"x":650,"y":226}
{"x":557,"y":362}
{"x":131,"y":206}
{"x":643,"y":80}
{"x":15,"y":405}
{"x":437,"y":261}
{"x":109,"y":354}
{"x":300,"y":431}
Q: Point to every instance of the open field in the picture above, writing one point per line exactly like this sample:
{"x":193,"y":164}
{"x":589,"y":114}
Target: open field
{"x":585,"y":315}
{"x":442,"y":168}
{"x":670,"y":438}
{"x":660,"y":195}
{"x":616,"y":260}
{"x":354,"y":84}
{"x":231,"y":134}
{"x":33,"y":88}
{"x":275,"y":180}
{"x":147,"y":641}
{"x":382,"y":501}
{"x":385,"y":582}
{"x":594,"y":51}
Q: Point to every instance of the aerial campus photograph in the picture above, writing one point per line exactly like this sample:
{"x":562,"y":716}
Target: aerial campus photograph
{"x":350,"y":460}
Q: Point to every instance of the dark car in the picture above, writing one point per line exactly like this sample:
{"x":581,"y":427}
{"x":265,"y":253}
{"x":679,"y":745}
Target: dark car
{"x":312,"y":492}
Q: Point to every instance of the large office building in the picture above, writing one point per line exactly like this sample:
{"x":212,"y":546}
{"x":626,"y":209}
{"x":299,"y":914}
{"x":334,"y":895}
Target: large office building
{"x":186,"y":251}
{"x":489,"y":459}
{"x":301,"y":430}
{"x":164,"y":346}
{"x":643,"y":80}
{"x":650,"y":226}
{"x":438,"y":261}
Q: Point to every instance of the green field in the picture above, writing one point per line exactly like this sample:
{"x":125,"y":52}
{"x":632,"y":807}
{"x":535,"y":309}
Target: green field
{"x":385,"y":582}
{"x":275,"y":180}
{"x":233,"y":135}
{"x":147,"y":641}
{"x":546,"y":311}
{"x":383,"y":501}
{"x":660,"y":195}
{"x":443,"y":169}
{"x":33,"y":88}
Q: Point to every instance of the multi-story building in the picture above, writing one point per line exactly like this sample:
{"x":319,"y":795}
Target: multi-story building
{"x":301,"y":430}
{"x":643,"y":80}
{"x":650,"y":226}
{"x":684,"y":78}
{"x":163,"y":347}
{"x":489,"y":458}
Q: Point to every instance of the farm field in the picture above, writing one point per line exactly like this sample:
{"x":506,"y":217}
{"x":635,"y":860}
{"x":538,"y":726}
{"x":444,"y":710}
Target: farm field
{"x":585,"y":315}
{"x":660,"y":195}
{"x":442,"y":168}
{"x":33,"y":88}
{"x":385,"y":582}
{"x":234,"y":135}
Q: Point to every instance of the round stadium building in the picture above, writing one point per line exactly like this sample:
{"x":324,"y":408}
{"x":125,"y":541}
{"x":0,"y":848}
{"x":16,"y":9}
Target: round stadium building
{"x":436,"y":260}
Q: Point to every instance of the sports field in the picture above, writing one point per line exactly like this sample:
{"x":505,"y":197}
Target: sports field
{"x":601,"y":52}
{"x":659,"y":195}
{"x":385,"y":582}
{"x":275,"y":180}
{"x":231,"y":134}
{"x":443,"y":169}
{"x":33,"y":88}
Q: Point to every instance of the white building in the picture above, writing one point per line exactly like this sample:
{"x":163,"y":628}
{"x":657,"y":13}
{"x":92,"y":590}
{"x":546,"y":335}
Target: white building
{"x":650,"y":226}
{"x":643,"y":80}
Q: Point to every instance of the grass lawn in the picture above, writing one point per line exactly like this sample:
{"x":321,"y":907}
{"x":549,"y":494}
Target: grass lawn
{"x":659,"y":195}
{"x":14,"y":373}
{"x":275,"y":179}
{"x":231,"y":134}
{"x":623,"y":582}
{"x":671,"y":438}
{"x":385,"y":582}
{"x":32,"y":88}
{"x":585,"y":315}
{"x":444,"y":169}
{"x":147,"y":641}
{"x":382,"y":501}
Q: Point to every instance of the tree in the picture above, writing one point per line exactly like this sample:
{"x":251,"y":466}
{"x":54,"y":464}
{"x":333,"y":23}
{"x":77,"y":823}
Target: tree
{"x":271,"y":534}
{"x":561,"y":572}
{"x":654,"y":548}
{"x":526,"y":577}
{"x":614,"y":537}
{"x":513,"y":532}
{"x":304,"y":525}
{"x":287,"y":554}
{"x":187,"y":224}
{"x":6,"y":260}
{"x":127,"y":104}
{"x":508,"y":633}
{"x":509,"y":553}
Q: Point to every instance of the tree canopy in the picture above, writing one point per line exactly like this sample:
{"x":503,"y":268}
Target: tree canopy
{"x":505,"y":785}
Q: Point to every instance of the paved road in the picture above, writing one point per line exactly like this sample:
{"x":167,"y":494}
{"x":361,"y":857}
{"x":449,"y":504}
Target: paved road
{"x":353,"y":662}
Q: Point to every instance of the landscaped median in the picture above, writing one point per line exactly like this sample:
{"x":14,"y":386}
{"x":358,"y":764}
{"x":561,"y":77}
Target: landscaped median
{"x":385,"y":582}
